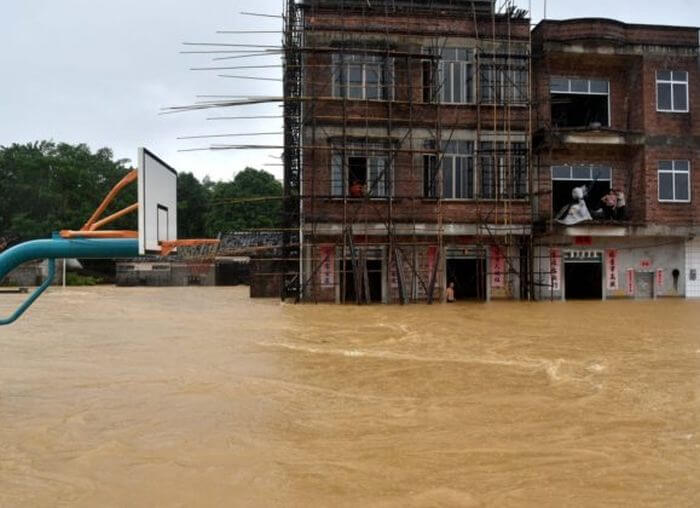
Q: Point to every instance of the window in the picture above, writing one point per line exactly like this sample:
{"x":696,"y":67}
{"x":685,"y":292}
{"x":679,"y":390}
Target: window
{"x":457,"y":160}
{"x":363,"y":77}
{"x":674,"y":181}
{"x":455,"y":76}
{"x":503,"y":170}
{"x":672,"y":91}
{"x":580,"y":102}
{"x":365,"y":164}
{"x":566,"y":177}
{"x":504,"y":79}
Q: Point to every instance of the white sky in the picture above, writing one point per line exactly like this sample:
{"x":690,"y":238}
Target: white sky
{"x":98,"y":72}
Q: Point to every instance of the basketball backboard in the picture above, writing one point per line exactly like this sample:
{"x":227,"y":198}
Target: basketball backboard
{"x":157,"y":197}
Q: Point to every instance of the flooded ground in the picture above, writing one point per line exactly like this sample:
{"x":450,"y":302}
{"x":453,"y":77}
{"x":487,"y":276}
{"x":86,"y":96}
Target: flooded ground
{"x":201,"y":397}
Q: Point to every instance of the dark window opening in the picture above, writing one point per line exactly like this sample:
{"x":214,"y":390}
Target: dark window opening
{"x":357,"y":172}
{"x":584,"y":281}
{"x":430,"y":176}
{"x":428,"y":85}
{"x":469,"y":278}
{"x":579,"y":110}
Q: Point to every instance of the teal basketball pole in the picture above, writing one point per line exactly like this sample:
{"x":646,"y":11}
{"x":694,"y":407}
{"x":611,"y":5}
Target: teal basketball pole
{"x":60,"y":248}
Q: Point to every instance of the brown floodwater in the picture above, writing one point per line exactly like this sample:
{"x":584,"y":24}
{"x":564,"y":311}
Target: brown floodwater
{"x":202,"y":397}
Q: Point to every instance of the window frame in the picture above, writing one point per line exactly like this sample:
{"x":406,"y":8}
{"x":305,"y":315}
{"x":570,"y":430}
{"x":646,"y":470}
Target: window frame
{"x":381,"y":152}
{"x":673,"y":172}
{"x":468,"y":158}
{"x":506,"y":90}
{"x":589,"y":80}
{"x":671,"y":82}
{"x":497,"y":155}
{"x":341,"y":64}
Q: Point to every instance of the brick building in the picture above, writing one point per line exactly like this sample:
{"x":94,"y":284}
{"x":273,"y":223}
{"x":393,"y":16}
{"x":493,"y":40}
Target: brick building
{"x":617,"y":107}
{"x":430,"y":143}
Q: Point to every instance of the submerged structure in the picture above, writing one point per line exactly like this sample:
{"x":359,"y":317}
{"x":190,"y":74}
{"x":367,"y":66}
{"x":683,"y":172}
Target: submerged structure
{"x":438,"y":142}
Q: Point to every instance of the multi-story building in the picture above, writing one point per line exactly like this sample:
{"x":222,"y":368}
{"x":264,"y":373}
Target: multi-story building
{"x":409,"y":129}
{"x":618,"y":107}
{"x":407,"y":141}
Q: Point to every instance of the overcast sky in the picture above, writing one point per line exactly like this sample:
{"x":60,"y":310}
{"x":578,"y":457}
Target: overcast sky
{"x":99,"y":71}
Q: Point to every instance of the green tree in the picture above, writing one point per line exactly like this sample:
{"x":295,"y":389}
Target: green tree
{"x":192,"y":206}
{"x":46,"y":186}
{"x":252,"y":200}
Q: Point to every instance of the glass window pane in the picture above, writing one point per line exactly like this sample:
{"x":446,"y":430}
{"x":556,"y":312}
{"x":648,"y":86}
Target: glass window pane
{"x":447,"y":177}
{"x":663,"y":93}
{"x":462,"y":55}
{"x":665,"y":165}
{"x":458,"y":177}
{"x":469,"y":178}
{"x":679,"y":99}
{"x":663,"y":75}
{"x":355,"y":92}
{"x":599,"y":86}
{"x":579,"y":85}
{"x":355,"y":74}
{"x":582,"y":173}
{"x":602,"y":173}
{"x":680,"y":76}
{"x":665,"y":186}
{"x":681,"y":166}
{"x":559,"y":84}
{"x":458,"y":83}
{"x":337,"y":175}
{"x":561,"y":172}
{"x":682,"y":188}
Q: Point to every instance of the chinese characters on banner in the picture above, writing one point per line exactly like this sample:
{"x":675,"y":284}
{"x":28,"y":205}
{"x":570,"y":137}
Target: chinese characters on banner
{"x":630,"y":282}
{"x":660,"y":278}
{"x":327,"y":270}
{"x":498,"y":267}
{"x":645,"y":264}
{"x":555,"y":269}
{"x":613,"y":283}
{"x":432,"y":259}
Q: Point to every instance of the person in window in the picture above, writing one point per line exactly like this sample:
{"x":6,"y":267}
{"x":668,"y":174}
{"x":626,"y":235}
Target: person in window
{"x":609,"y":204}
{"x":357,"y":190}
{"x":620,"y":213}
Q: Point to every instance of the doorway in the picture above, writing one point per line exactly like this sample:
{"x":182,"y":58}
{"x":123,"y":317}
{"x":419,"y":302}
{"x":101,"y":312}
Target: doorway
{"x":583,"y":280}
{"x":374,"y":280}
{"x":469,"y":277}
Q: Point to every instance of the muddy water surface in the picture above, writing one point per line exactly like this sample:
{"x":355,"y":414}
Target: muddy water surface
{"x":201,"y":397}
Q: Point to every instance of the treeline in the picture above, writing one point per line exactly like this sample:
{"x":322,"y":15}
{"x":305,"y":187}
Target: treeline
{"x":47,"y":186}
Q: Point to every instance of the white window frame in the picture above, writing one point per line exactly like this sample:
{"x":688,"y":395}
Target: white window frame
{"x":385,"y":67}
{"x":589,"y":92}
{"x":673,"y":82}
{"x":468,"y":92}
{"x":673,"y":172}
{"x":590,"y":168}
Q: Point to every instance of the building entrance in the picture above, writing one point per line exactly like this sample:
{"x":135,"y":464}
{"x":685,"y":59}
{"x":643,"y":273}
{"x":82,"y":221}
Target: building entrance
{"x":469,"y":277}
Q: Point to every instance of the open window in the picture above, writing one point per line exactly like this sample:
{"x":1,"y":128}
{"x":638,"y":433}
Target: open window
{"x":580,"y":102}
{"x":361,"y":169}
{"x":598,"y":179}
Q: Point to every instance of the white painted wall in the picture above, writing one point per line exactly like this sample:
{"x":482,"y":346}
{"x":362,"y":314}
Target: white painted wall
{"x":692,"y":262}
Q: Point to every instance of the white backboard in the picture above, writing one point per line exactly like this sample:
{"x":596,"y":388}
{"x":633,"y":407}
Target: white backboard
{"x":157,"y":196}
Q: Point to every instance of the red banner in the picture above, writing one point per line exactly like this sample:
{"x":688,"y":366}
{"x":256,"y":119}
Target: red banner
{"x":660,"y":279}
{"x":498,"y":267}
{"x":555,"y":269}
{"x":327,"y":270}
{"x":613,"y":282}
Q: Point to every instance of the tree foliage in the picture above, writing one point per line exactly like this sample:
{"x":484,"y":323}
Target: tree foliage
{"x":47,"y":186}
